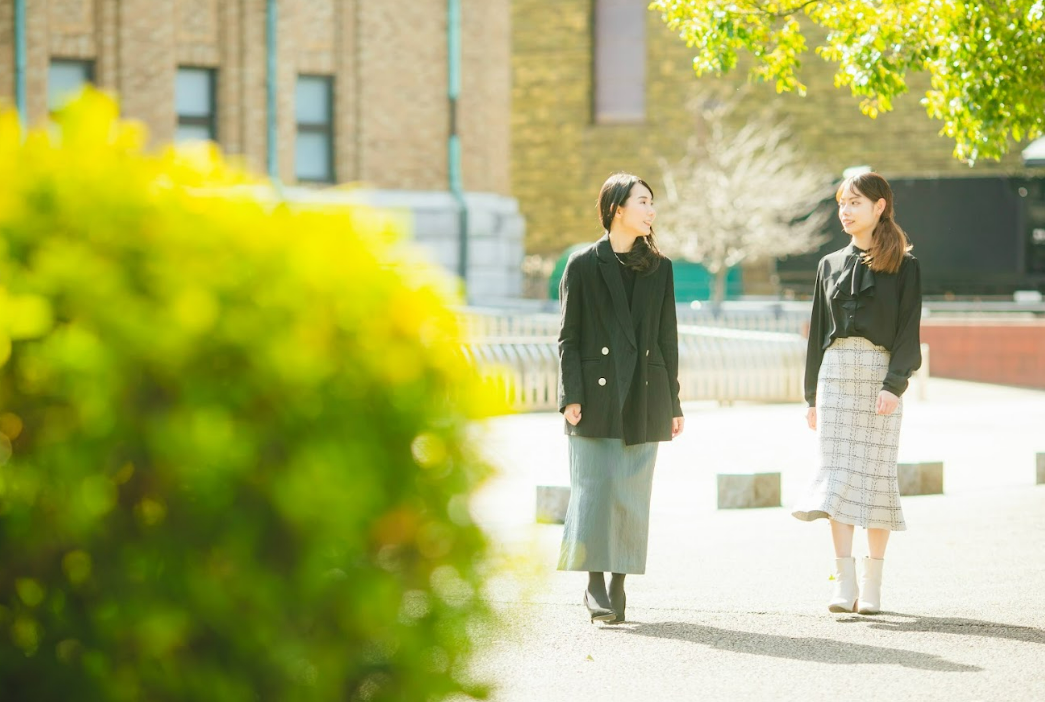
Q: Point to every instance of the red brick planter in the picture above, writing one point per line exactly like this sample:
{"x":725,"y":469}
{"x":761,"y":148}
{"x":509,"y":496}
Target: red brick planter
{"x":988,"y":351}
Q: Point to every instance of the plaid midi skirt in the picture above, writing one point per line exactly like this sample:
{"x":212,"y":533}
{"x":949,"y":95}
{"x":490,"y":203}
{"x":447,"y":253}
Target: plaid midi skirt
{"x":855,"y":481}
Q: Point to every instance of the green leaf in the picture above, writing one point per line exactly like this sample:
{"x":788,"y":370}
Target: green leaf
{"x":984,"y":59}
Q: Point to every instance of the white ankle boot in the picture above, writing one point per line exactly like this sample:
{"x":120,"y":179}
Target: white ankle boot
{"x":871,"y":587}
{"x":844,"y":594}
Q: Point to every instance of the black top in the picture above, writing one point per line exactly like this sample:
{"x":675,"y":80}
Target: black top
{"x":852,"y":300}
{"x":627,"y":276}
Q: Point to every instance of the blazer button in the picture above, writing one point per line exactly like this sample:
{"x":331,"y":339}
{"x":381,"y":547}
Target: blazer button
{"x":602,"y":381}
{"x":647,"y":352}
{"x":605,"y":351}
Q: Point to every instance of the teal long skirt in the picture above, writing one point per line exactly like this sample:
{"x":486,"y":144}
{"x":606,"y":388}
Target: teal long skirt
{"x":607,"y":521}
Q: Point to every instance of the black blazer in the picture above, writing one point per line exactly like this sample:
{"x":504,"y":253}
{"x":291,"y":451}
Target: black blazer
{"x":620,"y":365}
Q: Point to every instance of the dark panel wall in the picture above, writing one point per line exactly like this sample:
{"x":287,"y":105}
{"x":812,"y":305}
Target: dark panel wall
{"x":973,"y":236}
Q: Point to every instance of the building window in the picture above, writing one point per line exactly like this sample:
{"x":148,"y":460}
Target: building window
{"x":65,"y":79}
{"x":619,"y":61}
{"x":196,"y":104}
{"x":314,"y":149}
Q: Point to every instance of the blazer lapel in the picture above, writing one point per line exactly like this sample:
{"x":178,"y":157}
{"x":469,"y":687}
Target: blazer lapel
{"x":610,"y":273}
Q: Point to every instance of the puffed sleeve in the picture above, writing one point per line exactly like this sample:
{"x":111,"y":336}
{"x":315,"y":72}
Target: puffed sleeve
{"x":906,"y":354}
{"x":571,"y":383}
{"x":669,"y":339}
{"x":817,"y":329}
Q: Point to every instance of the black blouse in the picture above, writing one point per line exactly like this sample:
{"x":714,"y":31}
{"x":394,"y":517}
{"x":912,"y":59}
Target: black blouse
{"x":627,"y":276}
{"x":852,"y":300}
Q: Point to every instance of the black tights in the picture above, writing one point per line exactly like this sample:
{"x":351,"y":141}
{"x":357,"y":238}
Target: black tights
{"x":597,"y":587}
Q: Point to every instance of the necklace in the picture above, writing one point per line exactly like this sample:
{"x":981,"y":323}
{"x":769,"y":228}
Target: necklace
{"x":620,"y":260}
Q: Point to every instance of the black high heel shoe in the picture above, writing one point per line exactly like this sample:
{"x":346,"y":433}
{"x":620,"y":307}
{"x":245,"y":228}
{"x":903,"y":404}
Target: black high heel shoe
{"x":618,"y":601}
{"x":598,"y":614}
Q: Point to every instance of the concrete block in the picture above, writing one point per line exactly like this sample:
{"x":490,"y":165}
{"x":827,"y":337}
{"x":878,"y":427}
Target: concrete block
{"x":1041,"y":469}
{"x":748,"y":490}
{"x":920,"y":478}
{"x":552,"y":501}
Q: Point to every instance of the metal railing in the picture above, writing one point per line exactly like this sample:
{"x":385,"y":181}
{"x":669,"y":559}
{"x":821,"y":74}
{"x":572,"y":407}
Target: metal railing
{"x":519,"y":354}
{"x":782,"y":317}
{"x":526,"y":371}
{"x":729,"y":365}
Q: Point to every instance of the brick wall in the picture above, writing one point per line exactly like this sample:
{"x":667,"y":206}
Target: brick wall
{"x":387,"y":58}
{"x":1008,"y":353}
{"x":7,"y":55}
{"x":145,"y":60}
{"x":484,"y":114}
{"x":560,"y":158}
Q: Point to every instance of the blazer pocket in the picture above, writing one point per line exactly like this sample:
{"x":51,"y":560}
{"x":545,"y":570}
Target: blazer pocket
{"x":659,"y":407}
{"x":596,"y":375}
{"x":656,"y":358}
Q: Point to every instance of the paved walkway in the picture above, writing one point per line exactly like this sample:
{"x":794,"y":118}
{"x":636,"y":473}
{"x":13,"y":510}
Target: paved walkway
{"x":732,"y":606}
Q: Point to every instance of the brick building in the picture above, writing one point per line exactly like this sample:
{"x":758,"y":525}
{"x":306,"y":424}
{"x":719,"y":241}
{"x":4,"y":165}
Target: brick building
{"x":602,"y":85}
{"x":361,"y":96}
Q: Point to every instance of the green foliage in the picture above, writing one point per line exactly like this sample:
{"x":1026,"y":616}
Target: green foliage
{"x":985,"y":60}
{"x":233,"y":462}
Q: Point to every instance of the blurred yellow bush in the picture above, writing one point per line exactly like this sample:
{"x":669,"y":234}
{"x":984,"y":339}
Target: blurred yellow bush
{"x":233,"y":462}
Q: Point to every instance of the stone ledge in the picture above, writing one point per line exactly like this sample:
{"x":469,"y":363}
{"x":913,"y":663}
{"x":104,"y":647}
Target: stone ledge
{"x":552,"y":501}
{"x":748,"y":490}
{"x":920,"y":478}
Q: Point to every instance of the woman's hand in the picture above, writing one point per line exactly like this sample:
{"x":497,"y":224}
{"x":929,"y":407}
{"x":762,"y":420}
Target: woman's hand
{"x":811,"y":418}
{"x":572,"y":414}
{"x":677,"y":424}
{"x":887,"y":403}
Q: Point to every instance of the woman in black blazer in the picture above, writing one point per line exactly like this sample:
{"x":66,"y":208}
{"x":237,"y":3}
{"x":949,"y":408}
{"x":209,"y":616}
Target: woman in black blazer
{"x":618,"y":390}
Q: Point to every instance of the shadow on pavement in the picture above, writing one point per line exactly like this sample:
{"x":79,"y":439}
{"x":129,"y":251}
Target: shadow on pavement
{"x":799,"y":648}
{"x":949,"y":625}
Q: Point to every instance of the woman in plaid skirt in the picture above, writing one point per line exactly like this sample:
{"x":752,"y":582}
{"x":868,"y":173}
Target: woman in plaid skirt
{"x":863,"y":347}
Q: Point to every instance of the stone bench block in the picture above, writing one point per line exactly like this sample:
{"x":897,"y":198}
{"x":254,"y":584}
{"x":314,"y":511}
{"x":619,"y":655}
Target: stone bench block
{"x":1041,"y":469}
{"x":920,"y":478}
{"x":748,"y":490}
{"x":551,"y":504}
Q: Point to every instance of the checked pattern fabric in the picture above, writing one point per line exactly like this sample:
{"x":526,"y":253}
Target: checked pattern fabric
{"x":855,"y":482}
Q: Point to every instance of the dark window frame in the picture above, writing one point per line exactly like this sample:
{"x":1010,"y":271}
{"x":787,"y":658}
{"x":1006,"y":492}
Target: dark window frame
{"x":325,"y":128}
{"x":211,"y":120}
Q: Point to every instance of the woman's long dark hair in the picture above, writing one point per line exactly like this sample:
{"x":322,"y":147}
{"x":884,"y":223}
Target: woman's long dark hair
{"x":644,"y":256}
{"x":889,"y":242}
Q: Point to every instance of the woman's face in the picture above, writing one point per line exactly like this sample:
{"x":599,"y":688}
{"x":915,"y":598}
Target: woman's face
{"x":636,"y":215}
{"x":858,"y":213}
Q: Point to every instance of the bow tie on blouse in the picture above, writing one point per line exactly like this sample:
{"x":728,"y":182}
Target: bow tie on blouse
{"x":855,"y":280}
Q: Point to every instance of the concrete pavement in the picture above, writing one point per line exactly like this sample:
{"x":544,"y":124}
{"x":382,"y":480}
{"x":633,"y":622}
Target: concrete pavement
{"x":733,"y":603}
